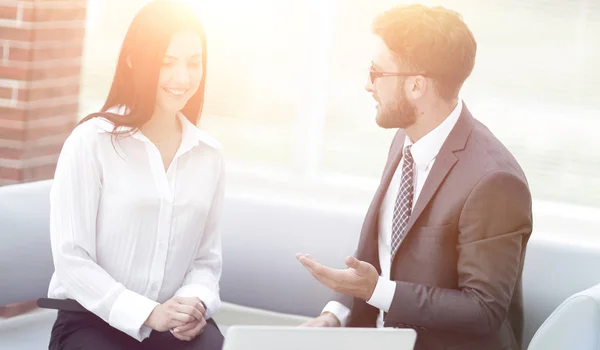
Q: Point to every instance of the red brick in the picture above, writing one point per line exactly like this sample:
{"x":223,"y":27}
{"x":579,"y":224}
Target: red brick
{"x":12,"y":134}
{"x":32,"y":135}
{"x":39,"y":73}
{"x":8,"y":113}
{"x":8,"y":12}
{"x":15,"y":73}
{"x":53,"y":53}
{"x":11,"y":153}
{"x":44,"y":172}
{"x":38,"y":54}
{"x":60,"y":34}
{"x":6,"y":92}
{"x":19,"y":54}
{"x":44,"y":53}
{"x":40,"y":151}
{"x":43,"y":34}
{"x":50,"y":140}
{"x":67,"y":110}
{"x":55,"y":72}
{"x":19,"y":34}
{"x":49,"y":14}
{"x":33,"y":152}
{"x":47,"y":92}
{"x":10,"y":174}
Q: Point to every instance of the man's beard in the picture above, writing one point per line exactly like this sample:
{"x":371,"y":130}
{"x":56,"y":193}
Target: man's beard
{"x":400,"y":113}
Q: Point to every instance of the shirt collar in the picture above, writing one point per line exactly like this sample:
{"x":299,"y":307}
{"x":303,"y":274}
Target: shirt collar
{"x":427,"y":147}
{"x":191,"y":135}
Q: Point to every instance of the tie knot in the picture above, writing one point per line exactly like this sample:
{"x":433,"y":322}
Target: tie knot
{"x":407,"y":154}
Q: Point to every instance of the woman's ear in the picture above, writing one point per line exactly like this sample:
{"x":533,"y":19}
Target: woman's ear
{"x":128,"y":61}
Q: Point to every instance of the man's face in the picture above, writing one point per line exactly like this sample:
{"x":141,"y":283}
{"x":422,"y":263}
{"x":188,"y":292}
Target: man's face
{"x":394,"y":109}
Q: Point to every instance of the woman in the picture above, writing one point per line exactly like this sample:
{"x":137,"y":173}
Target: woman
{"x":136,"y":200}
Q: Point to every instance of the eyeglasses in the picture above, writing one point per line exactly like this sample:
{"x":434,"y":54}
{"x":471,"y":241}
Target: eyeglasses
{"x":375,"y":74}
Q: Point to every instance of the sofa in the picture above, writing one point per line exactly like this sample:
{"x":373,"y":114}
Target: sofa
{"x":262,"y":282}
{"x":575,"y":324}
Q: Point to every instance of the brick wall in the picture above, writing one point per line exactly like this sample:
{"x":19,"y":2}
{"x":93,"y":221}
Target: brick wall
{"x":41,"y":43}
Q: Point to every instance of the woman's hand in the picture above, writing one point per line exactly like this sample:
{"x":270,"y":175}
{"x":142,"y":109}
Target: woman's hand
{"x":190,"y":330}
{"x":176,"y":312}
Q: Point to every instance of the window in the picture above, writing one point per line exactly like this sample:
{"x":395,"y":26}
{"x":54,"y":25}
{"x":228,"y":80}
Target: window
{"x":285,"y":92}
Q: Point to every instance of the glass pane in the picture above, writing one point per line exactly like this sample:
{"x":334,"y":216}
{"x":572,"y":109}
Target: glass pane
{"x":535,"y":85}
{"x":256,"y":63}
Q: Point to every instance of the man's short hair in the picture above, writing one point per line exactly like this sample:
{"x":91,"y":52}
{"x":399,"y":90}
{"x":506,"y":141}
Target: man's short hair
{"x":433,"y":40}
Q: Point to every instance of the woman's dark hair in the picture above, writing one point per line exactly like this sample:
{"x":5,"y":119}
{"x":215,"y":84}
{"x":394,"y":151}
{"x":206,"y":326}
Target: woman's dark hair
{"x":135,"y":81}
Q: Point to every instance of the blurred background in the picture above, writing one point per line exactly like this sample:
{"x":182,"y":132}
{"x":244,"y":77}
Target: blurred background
{"x":285,"y":94}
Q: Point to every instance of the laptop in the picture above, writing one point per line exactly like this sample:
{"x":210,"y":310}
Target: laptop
{"x":309,"y":338}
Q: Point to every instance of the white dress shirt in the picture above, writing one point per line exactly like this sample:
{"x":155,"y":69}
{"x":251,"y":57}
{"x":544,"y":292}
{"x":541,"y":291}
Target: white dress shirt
{"x":127,"y":235}
{"x":424,"y":152}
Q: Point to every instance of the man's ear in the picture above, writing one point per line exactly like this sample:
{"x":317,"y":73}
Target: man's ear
{"x":419,"y":86}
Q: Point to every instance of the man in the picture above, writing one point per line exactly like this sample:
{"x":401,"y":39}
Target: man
{"x":443,"y":243}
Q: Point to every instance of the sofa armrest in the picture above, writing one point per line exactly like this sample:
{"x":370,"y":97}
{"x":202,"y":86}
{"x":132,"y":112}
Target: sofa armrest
{"x":231,"y":314}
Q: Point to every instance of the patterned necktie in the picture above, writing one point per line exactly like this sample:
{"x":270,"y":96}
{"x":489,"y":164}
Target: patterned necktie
{"x":404,"y":200}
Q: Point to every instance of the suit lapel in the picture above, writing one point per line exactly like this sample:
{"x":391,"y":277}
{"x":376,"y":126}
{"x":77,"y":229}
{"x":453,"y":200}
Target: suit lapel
{"x":367,"y":250}
{"x":444,"y":162}
{"x":387,"y":177}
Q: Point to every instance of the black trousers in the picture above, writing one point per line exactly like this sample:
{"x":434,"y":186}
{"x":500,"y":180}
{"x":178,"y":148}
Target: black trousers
{"x":84,"y":330}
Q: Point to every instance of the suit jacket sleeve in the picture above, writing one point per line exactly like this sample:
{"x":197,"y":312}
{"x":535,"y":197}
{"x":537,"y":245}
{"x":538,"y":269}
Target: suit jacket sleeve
{"x":396,"y":143}
{"x":343,"y":299}
{"x":494,"y":226}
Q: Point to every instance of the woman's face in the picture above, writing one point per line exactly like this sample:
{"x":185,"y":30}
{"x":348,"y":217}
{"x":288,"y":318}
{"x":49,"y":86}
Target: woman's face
{"x":181,"y":72}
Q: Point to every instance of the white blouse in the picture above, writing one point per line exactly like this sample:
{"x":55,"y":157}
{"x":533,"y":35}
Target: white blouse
{"x":125,"y":234}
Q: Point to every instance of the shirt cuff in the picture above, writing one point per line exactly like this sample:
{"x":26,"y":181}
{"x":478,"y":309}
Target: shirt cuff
{"x":129,"y":312}
{"x":211,"y":300}
{"x":383,"y":294}
{"x":339,"y":310}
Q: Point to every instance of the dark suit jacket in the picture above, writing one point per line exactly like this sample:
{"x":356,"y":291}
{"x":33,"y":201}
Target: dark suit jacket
{"x":458,"y":269}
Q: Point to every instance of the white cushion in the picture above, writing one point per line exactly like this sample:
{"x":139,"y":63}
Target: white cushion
{"x":575,"y":324}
